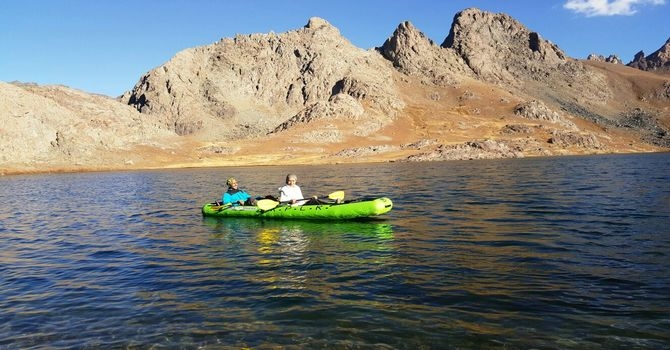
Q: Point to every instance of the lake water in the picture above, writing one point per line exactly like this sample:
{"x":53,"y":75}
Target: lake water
{"x":542,"y":253}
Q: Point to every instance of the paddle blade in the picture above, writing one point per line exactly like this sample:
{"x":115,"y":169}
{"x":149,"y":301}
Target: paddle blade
{"x":266,"y":204}
{"x":336,"y":195}
{"x":220,"y":207}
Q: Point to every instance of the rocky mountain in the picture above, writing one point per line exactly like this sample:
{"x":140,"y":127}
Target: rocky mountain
{"x":251,"y":85}
{"x":609,"y":59}
{"x":492,"y":89}
{"x":52,"y":128}
{"x":657,"y":61}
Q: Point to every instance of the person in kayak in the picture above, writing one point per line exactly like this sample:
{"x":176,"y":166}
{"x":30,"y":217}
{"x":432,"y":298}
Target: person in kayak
{"x":235,"y":196}
{"x":292,"y":194}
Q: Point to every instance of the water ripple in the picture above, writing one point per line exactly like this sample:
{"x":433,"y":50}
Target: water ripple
{"x":566,"y":253}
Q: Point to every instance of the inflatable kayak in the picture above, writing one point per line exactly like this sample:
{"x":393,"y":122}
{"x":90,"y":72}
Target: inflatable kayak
{"x":347,"y":210}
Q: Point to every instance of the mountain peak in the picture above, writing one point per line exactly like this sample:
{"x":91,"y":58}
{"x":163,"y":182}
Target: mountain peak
{"x":414,"y":53}
{"x":659,"y":60}
{"x":317,"y":22}
{"x":498,"y":47}
{"x":406,"y":41}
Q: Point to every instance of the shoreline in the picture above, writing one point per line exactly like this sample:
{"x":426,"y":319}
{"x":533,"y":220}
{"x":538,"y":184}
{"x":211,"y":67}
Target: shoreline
{"x":262,"y":161}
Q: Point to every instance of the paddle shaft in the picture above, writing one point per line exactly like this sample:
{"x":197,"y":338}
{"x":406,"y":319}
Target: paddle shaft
{"x":268,"y":204}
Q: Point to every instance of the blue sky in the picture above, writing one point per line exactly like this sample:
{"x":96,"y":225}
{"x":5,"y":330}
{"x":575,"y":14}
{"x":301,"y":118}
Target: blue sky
{"x":104,"y":47}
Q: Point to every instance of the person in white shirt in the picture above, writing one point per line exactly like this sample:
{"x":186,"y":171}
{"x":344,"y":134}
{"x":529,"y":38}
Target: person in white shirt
{"x":291,"y":193}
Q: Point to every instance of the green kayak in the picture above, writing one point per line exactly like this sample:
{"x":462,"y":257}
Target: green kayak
{"x":347,"y":210}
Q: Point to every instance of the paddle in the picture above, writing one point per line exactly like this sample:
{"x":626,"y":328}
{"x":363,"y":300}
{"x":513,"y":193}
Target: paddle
{"x":220,"y":207}
{"x":267,"y":204}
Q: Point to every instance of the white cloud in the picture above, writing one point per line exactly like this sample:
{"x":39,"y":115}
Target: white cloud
{"x":592,"y":8}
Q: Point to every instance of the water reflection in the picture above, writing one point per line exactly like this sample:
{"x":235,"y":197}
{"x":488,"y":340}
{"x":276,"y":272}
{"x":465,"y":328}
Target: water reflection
{"x":284,"y":237}
{"x":379,"y":227}
{"x":296,"y":247}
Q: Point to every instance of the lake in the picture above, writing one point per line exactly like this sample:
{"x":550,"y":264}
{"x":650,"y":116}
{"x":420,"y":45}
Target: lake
{"x":537,"y":253}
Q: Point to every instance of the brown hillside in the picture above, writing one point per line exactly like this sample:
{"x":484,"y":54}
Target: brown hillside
{"x":493,"y":89}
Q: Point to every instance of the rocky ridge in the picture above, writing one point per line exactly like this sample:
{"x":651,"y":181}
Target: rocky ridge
{"x":248,"y":85}
{"x":492,"y":89}
{"x":609,"y":59}
{"x":659,"y":60}
{"x":497,"y":48}
{"x":54,"y":127}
